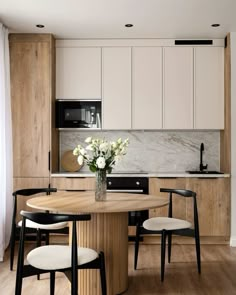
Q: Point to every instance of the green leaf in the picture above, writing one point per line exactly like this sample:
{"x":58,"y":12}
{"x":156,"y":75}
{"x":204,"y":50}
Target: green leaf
{"x":92,"y":168}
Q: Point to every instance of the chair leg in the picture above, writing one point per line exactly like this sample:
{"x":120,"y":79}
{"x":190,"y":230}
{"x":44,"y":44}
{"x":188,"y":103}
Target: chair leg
{"x":74,"y":285}
{"x":198,"y":251}
{"x":169,"y":246}
{"x":52,"y":282}
{"x":163,"y":252}
{"x":20,"y":263}
{"x":47,"y":238}
{"x":103,"y":274}
{"x":136,"y":246}
{"x":18,"y":284}
{"x":38,"y":244}
{"x":12,"y":246}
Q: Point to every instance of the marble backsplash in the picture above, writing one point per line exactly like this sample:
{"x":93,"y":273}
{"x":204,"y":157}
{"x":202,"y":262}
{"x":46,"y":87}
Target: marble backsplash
{"x":155,"y":151}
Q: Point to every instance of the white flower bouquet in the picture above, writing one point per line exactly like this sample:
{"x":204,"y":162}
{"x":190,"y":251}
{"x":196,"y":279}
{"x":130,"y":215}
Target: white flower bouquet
{"x":100,"y":154}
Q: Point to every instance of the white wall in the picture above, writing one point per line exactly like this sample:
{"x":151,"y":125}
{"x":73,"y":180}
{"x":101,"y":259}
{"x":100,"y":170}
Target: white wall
{"x":233,"y":139}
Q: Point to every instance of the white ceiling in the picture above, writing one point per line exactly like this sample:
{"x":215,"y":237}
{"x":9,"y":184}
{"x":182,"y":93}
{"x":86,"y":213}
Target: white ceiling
{"x":76,"y":19}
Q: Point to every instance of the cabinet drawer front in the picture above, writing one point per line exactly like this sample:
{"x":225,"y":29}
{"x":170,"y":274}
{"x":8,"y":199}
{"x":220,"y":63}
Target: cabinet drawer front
{"x":73,"y":183}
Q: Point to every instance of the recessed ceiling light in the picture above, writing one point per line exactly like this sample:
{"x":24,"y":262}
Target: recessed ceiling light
{"x":215,"y":25}
{"x":129,"y":25}
{"x":40,"y":26}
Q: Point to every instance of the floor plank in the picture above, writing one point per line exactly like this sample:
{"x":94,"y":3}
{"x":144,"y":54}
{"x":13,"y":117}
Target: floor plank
{"x":181,"y":277}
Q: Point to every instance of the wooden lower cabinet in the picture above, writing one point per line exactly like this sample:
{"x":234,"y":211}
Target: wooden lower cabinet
{"x":73,"y":183}
{"x":22,"y":183}
{"x":213,"y":200}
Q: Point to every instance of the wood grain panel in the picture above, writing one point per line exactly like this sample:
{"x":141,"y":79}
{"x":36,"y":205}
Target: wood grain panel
{"x":213,"y":200}
{"x":107,"y":233}
{"x":225,"y":135}
{"x":179,"y":204}
{"x":84,"y":202}
{"x":54,"y":133}
{"x":30,"y":94}
{"x":63,"y":183}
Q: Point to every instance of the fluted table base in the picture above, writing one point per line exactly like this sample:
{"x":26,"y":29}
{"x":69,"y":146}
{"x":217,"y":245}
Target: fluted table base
{"x":107,"y":232}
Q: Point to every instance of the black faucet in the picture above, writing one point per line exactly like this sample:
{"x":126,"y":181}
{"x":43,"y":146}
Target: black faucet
{"x":201,"y":166}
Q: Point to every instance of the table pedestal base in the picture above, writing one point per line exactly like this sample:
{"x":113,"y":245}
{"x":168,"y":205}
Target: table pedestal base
{"x":107,"y":232}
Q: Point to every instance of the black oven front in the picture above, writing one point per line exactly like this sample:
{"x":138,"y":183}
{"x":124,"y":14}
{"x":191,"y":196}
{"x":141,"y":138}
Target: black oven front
{"x":137,"y":185}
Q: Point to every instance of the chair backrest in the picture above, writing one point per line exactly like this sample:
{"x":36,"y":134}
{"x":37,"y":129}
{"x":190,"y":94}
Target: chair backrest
{"x":186,"y":194}
{"x":33,"y":191}
{"x":50,"y":218}
{"x":29,"y":192}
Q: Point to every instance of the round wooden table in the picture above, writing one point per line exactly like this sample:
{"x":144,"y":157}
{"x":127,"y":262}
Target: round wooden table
{"x":107,"y":231}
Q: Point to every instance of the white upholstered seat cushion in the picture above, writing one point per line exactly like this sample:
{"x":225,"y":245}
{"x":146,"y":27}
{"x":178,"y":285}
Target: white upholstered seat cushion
{"x":167,"y":223}
{"x":32,"y":224}
{"x":54,"y":257}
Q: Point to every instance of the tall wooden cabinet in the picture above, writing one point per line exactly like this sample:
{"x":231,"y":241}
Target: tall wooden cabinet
{"x":32,"y":93}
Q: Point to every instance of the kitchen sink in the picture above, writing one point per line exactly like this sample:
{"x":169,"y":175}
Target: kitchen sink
{"x":204,"y":172}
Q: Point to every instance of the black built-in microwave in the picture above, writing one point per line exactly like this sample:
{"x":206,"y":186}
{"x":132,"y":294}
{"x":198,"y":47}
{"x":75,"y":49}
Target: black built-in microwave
{"x":78,"y":114}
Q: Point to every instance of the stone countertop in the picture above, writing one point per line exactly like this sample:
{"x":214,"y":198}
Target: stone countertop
{"x":141,"y":174}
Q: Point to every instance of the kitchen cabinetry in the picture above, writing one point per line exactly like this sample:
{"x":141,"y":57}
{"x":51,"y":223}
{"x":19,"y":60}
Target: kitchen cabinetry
{"x":31,"y":65}
{"x":179,"y":205}
{"x":32,"y":95}
{"x":178,"y":88}
{"x":116,"y":83}
{"x":213,"y":200}
{"x":143,"y":85}
{"x":78,"y":73}
{"x":209,"y":88}
{"x":73,"y":183}
{"x":147,"y":88}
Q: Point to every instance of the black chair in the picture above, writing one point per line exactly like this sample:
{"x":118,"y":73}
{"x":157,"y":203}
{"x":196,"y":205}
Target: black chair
{"x":32,"y":227}
{"x":58,"y":258}
{"x":166,"y":226}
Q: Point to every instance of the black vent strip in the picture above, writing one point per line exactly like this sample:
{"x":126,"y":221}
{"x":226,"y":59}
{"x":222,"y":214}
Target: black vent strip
{"x":193,"y":42}
{"x":226,"y":42}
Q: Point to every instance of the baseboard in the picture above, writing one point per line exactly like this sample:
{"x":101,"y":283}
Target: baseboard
{"x":233,"y":241}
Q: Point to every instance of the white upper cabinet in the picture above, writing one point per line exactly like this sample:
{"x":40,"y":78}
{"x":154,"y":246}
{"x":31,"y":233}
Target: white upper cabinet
{"x":209,"y":88}
{"x":116,"y":81}
{"x":147,"y":88}
{"x":178,"y":88}
{"x":78,"y":73}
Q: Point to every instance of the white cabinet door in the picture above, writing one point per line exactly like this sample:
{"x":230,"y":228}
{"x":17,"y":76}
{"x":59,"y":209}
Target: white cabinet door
{"x":178,"y":88}
{"x":116,"y":79}
{"x":209,"y":88}
{"x":147,"y":88}
{"x":78,"y":73}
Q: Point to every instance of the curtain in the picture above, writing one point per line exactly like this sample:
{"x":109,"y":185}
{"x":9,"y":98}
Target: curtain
{"x":6,"y":170}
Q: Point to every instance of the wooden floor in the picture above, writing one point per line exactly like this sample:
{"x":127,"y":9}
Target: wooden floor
{"x":181,"y":277}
